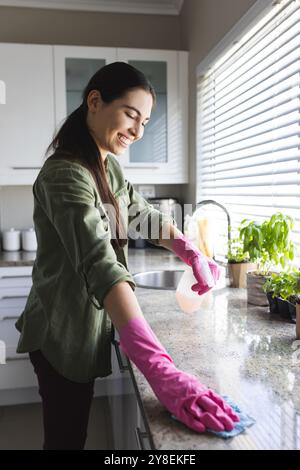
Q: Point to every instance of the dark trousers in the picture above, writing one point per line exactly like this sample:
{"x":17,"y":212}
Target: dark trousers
{"x":66,"y":406}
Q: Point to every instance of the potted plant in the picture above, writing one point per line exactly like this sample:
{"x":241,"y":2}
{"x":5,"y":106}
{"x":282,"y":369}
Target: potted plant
{"x":270,"y":287}
{"x":283,"y":292}
{"x":269,"y":244}
{"x":238,"y":263}
{"x":298,"y":320}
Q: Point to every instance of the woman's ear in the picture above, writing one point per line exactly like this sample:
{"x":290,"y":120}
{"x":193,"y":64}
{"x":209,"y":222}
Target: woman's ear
{"x":94,"y":100}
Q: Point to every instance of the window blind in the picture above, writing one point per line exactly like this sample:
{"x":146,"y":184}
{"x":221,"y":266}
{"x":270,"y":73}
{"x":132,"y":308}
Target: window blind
{"x":248,"y":124}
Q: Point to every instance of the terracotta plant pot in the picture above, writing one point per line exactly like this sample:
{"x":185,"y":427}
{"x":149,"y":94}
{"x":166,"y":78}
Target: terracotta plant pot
{"x":238,"y":273}
{"x":255,"y":293}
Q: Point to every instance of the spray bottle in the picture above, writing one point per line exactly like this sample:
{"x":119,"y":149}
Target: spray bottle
{"x":188,"y":300}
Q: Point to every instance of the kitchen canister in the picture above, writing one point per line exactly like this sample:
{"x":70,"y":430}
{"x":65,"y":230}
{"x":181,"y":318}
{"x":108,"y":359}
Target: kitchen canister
{"x":29,"y":242}
{"x":11,"y":240}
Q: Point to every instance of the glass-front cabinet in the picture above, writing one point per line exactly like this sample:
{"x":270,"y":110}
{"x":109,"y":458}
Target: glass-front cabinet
{"x":74,"y":66}
{"x":44,"y":84}
{"x":153,"y":147}
{"x":161,"y":155}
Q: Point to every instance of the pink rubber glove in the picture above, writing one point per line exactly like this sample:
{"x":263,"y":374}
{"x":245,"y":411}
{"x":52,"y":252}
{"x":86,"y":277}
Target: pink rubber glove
{"x":205,"y":270}
{"x":182,"y":394}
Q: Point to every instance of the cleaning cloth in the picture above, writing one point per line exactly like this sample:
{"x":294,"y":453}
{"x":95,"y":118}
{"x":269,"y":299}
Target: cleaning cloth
{"x":245,"y":421}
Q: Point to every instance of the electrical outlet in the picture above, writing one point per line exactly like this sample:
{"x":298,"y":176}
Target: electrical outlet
{"x":146,"y":190}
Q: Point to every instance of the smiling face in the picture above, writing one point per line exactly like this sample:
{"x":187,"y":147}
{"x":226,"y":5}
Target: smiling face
{"x":115,"y":126}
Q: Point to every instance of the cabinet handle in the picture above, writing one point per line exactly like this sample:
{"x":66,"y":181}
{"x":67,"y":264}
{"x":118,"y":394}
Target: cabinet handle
{"x":13,"y":296}
{"x":119,"y":357}
{"x":140,"y":436}
{"x":7,"y":317}
{"x":136,"y":167}
{"x":11,"y":276}
{"x":26,"y":167}
{"x":17,"y":358}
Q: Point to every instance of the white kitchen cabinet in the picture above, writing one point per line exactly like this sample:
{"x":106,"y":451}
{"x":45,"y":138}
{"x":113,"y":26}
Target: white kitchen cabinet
{"x":129,"y":421}
{"x":18,"y":383}
{"x":27,"y":117}
{"x":161,"y":155}
{"x":15,"y":284}
{"x":73,"y":67}
{"x":44,"y":84}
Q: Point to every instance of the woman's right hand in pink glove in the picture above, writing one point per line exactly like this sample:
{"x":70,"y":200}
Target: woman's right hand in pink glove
{"x":182,"y":394}
{"x":193,"y":403}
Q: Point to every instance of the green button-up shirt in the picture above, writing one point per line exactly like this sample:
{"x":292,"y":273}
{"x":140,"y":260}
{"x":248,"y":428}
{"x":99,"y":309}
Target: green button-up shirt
{"x":76,"y":266}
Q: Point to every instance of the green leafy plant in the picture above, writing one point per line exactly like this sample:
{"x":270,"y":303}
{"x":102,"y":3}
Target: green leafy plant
{"x":252,"y":239}
{"x":268,"y":243}
{"x":236,"y":252}
{"x":285,"y":285}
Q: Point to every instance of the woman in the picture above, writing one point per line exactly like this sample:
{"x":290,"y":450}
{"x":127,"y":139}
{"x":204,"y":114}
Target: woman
{"x":81,"y":284}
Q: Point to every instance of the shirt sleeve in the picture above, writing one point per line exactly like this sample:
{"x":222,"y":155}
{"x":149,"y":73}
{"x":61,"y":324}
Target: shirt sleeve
{"x":67,"y":195}
{"x":143,"y":218}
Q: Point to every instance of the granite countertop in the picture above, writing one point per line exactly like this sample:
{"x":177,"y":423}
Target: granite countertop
{"x":16,"y":258}
{"x":234,"y":348}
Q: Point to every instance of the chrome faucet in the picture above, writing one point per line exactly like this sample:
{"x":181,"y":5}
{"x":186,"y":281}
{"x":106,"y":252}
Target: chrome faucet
{"x":211,"y":201}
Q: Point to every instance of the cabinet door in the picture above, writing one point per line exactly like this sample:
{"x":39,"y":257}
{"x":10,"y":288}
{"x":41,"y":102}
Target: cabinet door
{"x":27,"y":117}
{"x":73,"y":67}
{"x":15,"y":285}
{"x":159,"y":156}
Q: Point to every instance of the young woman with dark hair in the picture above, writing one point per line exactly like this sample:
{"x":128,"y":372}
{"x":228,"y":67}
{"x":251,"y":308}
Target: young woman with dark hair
{"x":81,"y":283}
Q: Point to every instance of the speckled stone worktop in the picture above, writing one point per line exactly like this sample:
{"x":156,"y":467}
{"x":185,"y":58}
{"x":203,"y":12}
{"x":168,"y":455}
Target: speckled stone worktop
{"x":234,"y":348}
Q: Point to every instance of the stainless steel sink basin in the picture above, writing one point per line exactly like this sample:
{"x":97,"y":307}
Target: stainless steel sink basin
{"x":164,"y":280}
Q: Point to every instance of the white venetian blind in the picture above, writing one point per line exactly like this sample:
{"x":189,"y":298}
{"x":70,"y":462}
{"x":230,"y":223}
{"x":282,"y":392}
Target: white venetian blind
{"x":248,"y":122}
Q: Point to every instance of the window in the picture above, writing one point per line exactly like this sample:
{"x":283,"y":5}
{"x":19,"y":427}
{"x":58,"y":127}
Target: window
{"x":248,"y":119}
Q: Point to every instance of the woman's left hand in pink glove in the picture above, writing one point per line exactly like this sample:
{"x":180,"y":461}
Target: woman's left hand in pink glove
{"x":205,"y":270}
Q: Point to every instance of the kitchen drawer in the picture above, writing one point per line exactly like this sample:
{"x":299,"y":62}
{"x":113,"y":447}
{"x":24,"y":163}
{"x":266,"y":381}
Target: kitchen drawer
{"x":15,"y":281}
{"x":10,"y":335}
{"x":15,"y":271}
{"x":17,"y":373}
{"x":11,"y":312}
{"x":13,"y":302}
{"x":11,"y":292}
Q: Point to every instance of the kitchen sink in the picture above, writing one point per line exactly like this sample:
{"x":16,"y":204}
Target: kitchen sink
{"x":164,"y":280}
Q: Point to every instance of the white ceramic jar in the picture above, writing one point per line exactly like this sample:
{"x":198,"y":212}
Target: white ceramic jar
{"x":11,"y":240}
{"x":29,"y":242}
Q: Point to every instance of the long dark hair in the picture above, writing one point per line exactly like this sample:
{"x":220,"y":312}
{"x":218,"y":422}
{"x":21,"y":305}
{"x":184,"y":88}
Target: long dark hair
{"x":74,"y":141}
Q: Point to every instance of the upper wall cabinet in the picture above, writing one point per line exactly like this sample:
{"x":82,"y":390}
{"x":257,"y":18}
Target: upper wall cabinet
{"x":73,"y":67}
{"x":161,"y":155}
{"x":27,"y":117}
{"x":44,"y":84}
